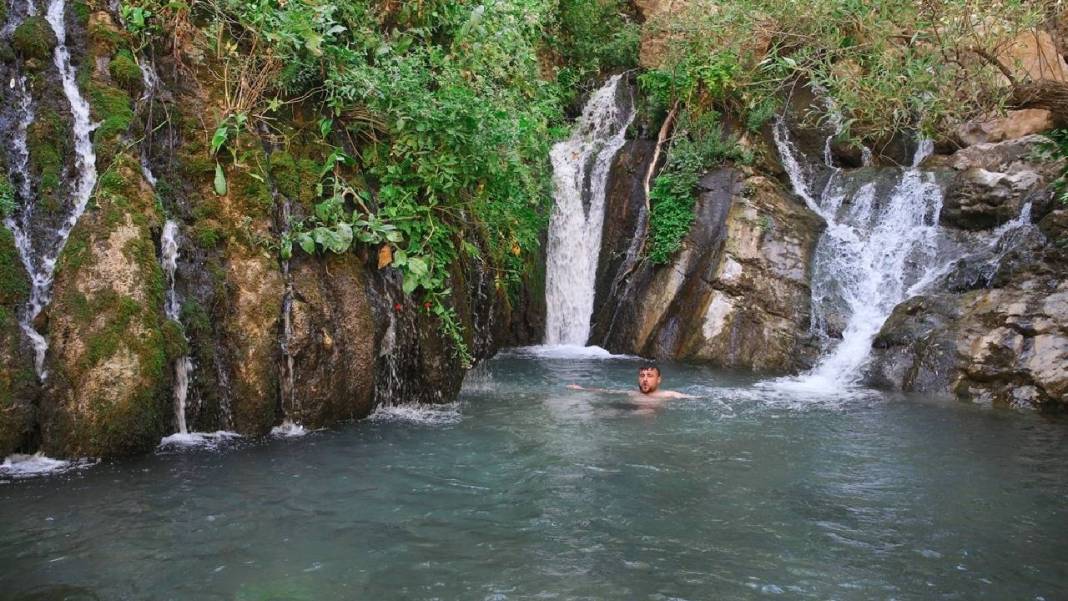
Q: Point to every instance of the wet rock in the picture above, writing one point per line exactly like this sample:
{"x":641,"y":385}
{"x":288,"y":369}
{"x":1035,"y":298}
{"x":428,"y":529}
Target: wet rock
{"x":17,"y":379}
{"x":332,"y":342}
{"x":736,"y":294}
{"x":105,"y":394}
{"x":1006,"y":346}
{"x":34,"y":40}
{"x":1055,"y":226}
{"x":980,"y":199}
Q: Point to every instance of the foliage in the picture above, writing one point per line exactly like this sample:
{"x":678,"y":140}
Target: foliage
{"x":438,"y":115}
{"x":888,"y":65}
{"x":7,"y":198}
{"x":1057,"y":149}
{"x":593,"y":36}
{"x":699,"y":144}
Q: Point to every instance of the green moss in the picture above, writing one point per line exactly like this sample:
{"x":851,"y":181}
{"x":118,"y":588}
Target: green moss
{"x":81,"y":12}
{"x":34,"y":39}
{"x":14,"y":285}
{"x":124,"y":71}
{"x":295,"y":178}
{"x":48,"y":141}
{"x":174,"y":343}
{"x":113,"y":109}
{"x":207,"y":234}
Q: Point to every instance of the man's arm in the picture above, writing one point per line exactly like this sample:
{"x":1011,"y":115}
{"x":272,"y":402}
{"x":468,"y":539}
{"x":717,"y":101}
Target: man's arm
{"x":577,"y":387}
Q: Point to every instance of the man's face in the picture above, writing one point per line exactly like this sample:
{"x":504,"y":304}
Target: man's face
{"x":648,"y":380}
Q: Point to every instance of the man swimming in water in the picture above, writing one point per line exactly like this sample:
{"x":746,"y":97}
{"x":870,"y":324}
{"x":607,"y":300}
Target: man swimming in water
{"x":649,"y":379}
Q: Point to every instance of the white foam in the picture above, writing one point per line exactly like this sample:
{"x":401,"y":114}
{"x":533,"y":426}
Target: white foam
{"x":418,"y":413}
{"x":289,"y":429}
{"x":562,"y":351}
{"x":581,"y":165}
{"x":29,"y":466}
{"x":198,"y":439}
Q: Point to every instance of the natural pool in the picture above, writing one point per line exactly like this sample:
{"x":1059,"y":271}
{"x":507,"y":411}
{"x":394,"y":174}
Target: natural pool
{"x":528,"y":490}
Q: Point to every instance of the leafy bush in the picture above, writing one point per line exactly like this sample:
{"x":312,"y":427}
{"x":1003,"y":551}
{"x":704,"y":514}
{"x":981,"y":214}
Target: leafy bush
{"x":699,"y":145}
{"x":888,"y":65}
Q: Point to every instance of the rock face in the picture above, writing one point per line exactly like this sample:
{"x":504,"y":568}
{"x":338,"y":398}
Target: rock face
{"x":1002,"y":339}
{"x":106,"y":391}
{"x":316,"y":339}
{"x":17,"y":379}
{"x":332,"y":341}
{"x":735,"y":295}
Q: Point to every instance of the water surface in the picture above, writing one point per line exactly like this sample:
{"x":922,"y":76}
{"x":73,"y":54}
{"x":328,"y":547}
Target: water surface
{"x":528,"y":490}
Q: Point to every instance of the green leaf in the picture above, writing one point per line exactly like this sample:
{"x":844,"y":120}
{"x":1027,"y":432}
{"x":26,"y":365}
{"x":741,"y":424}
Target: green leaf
{"x":306,"y":243}
{"x":417,"y":266}
{"x":222,"y":133}
{"x":410,"y":283}
{"x":400,"y":258}
{"x":220,"y":180}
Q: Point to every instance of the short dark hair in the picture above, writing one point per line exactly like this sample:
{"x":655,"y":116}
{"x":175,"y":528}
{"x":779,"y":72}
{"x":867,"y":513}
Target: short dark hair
{"x":649,"y":366}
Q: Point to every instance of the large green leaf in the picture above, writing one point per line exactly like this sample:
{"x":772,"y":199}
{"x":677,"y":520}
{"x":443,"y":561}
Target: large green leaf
{"x":220,"y":180}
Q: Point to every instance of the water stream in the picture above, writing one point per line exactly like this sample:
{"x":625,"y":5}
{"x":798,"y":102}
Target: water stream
{"x":39,"y":256}
{"x":883,"y":244}
{"x":527,"y":490}
{"x":580,"y":174}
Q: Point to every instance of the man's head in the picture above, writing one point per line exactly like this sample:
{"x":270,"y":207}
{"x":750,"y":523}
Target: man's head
{"x":648,"y":378}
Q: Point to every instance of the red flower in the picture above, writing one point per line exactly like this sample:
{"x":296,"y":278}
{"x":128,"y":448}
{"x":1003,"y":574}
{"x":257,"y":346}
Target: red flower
{"x":398,"y":307}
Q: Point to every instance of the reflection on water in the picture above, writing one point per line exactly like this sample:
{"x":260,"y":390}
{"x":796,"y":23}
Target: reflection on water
{"x":528,"y":490}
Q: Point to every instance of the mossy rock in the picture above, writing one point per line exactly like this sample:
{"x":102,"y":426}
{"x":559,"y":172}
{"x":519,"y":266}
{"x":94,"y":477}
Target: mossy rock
{"x":49,"y":142}
{"x":110,"y":340}
{"x":125,"y":72}
{"x":17,"y":379}
{"x":14,"y":284}
{"x":34,"y":39}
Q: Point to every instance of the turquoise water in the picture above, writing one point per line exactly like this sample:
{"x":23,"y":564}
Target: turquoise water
{"x":527,"y":490}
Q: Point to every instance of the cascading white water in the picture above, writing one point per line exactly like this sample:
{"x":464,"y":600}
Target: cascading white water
{"x":580,"y":174}
{"x":40,"y":262}
{"x":871,"y":256}
{"x":183,"y":367}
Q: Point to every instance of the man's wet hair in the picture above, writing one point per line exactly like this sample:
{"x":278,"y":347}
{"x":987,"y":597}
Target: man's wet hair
{"x":648,"y":366}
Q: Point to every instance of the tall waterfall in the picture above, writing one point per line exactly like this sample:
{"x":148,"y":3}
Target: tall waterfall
{"x":875,"y":253}
{"x":580,"y":174}
{"x":183,"y":367}
{"x":40,"y":256}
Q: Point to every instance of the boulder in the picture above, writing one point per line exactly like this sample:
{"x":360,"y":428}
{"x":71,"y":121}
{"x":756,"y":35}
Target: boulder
{"x":1014,"y":124}
{"x":979,"y":199}
{"x":735,"y":295}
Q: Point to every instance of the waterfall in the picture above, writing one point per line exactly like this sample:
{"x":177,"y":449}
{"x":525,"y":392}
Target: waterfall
{"x":172,"y":307}
{"x":580,"y":174}
{"x":40,"y":260}
{"x":873,"y":255}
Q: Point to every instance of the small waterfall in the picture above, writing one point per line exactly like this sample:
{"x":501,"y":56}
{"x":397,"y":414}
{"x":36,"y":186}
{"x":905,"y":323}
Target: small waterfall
{"x":40,"y":262}
{"x":580,"y":174}
{"x":870,"y":258}
{"x":183,"y":367}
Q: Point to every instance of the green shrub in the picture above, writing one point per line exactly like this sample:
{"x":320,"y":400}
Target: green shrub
{"x":699,"y":145}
